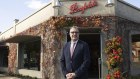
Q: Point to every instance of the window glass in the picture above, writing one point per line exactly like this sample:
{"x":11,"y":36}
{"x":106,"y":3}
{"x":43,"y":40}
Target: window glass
{"x":4,"y":56}
{"x":135,"y":55}
{"x":31,"y":55}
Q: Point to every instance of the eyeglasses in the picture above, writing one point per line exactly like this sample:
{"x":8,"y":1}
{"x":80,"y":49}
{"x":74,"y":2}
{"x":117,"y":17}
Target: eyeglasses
{"x":74,"y":32}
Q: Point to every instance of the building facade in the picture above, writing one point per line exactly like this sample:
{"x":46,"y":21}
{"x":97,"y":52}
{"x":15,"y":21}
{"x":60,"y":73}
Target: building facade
{"x":33,"y":46}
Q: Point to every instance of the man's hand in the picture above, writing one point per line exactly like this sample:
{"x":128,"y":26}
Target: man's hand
{"x":70,"y":75}
{"x":73,"y":75}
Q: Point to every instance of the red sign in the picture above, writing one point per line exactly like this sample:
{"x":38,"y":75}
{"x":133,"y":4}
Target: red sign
{"x":74,"y":7}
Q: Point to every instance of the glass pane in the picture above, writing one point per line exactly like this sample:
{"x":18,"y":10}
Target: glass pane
{"x":32,"y":55}
{"x":4,"y":56}
{"x":135,"y":55}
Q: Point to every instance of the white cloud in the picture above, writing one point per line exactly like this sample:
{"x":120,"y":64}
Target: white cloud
{"x":35,"y":4}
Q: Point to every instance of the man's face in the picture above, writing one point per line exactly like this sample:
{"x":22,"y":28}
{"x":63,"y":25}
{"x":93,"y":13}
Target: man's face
{"x":74,"y":34}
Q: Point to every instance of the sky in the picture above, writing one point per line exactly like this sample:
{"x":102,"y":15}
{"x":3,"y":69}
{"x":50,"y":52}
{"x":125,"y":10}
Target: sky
{"x":17,"y":9}
{"x":20,"y":9}
{"x":134,"y":2}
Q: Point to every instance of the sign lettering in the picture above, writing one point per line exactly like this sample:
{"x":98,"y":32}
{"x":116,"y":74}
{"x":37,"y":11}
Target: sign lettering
{"x":74,"y":8}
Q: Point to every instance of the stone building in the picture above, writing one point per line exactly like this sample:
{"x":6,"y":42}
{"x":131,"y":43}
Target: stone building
{"x":33,"y":45}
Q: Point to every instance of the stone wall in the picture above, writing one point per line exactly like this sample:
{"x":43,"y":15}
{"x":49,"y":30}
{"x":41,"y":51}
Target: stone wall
{"x":12,"y":58}
{"x":123,"y":28}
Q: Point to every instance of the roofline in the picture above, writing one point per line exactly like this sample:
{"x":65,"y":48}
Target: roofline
{"x":128,"y":4}
{"x":20,"y":21}
{"x":34,"y":13}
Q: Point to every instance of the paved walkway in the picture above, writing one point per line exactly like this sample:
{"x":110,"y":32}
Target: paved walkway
{"x":2,"y":76}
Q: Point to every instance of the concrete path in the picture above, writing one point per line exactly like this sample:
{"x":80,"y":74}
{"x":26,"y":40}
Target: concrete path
{"x":2,"y":76}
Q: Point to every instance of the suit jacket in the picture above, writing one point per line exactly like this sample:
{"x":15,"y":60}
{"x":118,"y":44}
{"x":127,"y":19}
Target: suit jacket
{"x":79,"y":62}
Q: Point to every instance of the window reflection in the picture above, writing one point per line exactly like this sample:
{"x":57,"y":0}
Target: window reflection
{"x":4,"y":50}
{"x":31,"y":55}
{"x":136,"y":52}
{"x":135,"y":55}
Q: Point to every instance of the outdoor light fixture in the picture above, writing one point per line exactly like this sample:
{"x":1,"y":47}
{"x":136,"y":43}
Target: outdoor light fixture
{"x":16,"y":20}
{"x":57,"y":4}
{"x":110,"y":3}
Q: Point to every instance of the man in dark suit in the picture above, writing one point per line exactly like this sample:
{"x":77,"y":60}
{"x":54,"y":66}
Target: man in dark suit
{"x":75,"y":59}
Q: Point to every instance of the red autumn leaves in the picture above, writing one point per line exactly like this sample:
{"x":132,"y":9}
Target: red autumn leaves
{"x":113,"y":50}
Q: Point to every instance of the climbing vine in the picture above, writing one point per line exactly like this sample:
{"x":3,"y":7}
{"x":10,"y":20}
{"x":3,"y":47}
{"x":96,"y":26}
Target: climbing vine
{"x":114,"y":52}
{"x":51,"y":32}
{"x":113,"y":47}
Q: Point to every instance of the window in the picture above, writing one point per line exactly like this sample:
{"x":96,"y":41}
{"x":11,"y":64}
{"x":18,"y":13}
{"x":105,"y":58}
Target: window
{"x":4,"y":56}
{"x":30,"y":56}
{"x":135,"y":55}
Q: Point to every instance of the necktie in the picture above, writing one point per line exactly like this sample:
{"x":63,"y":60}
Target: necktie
{"x":72,"y":49}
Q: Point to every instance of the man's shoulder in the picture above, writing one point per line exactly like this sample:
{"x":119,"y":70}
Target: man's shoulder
{"x":81,"y":41}
{"x":67,"y":43}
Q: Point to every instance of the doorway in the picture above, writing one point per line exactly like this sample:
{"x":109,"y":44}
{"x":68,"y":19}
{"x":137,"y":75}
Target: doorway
{"x":92,"y":37}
